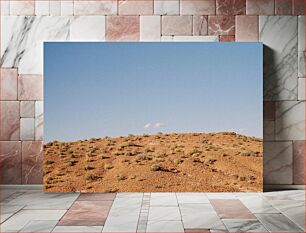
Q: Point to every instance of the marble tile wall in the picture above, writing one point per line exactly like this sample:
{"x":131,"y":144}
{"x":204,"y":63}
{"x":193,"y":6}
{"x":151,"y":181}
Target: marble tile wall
{"x":26,"y":24}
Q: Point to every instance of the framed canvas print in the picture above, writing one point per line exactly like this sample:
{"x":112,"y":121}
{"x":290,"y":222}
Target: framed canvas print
{"x":153,"y":117}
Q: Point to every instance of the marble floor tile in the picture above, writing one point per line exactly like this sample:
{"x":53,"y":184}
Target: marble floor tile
{"x":122,"y":219}
{"x":168,"y":213}
{"x":296,"y":195}
{"x":190,"y":194}
{"x":128,"y":202}
{"x":294,"y":210}
{"x":96,"y":197}
{"x":185,"y":199}
{"x":39,"y":226}
{"x":11,"y":197}
{"x":6,"y":193}
{"x":251,"y":194}
{"x":165,"y":226}
{"x":90,"y":213}
{"x":205,"y":217}
{"x":131,"y":212}
{"x":9,"y":210}
{"x":208,"y":220}
{"x":23,"y":217}
{"x":198,"y":207}
{"x":218,"y":230}
{"x":278,"y":223}
{"x":74,"y":229}
{"x":237,"y":225}
{"x":285,"y":205}
{"x":257,"y":205}
{"x":129,"y":195}
{"x":200,"y":230}
{"x":231,"y":209}
{"x":163,"y":199}
{"x":40,"y":200}
{"x":221,"y":195}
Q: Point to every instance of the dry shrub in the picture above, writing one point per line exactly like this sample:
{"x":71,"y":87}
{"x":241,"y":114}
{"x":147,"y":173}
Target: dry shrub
{"x":91,"y":177}
{"x":155,"y":167}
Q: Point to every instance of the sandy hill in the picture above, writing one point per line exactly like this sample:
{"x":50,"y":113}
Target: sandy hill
{"x":195,"y":162}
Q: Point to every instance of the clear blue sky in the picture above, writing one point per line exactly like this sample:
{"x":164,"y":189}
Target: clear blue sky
{"x":116,"y":89}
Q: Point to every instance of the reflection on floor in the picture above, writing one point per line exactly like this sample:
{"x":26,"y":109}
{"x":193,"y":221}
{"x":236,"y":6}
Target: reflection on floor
{"x":35,"y":211}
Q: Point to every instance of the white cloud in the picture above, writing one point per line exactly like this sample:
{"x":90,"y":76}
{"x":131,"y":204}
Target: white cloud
{"x":146,"y":126}
{"x":242,"y":130}
{"x":158,"y":125}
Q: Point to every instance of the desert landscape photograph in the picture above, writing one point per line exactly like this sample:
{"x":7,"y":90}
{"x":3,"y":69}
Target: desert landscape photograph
{"x":153,"y":117}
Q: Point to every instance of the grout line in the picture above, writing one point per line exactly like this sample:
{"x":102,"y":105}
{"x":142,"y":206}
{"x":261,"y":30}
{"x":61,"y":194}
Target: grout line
{"x":179,"y":211}
{"x":141,"y":208}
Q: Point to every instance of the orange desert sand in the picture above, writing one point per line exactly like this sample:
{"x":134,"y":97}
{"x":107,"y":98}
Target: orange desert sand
{"x":195,"y":162}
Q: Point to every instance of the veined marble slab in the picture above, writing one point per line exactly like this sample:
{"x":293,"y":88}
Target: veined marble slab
{"x":5,"y":7}
{"x":39,"y":226}
{"x":87,"y":28}
{"x":8,"y":210}
{"x":301,"y":88}
{"x":48,"y":201}
{"x":74,"y":229}
{"x":279,"y":35}
{"x":269,"y":130}
{"x":294,"y":210}
{"x":290,"y":120}
{"x":166,"y":7}
{"x":239,"y":225}
{"x":301,"y":46}
{"x":277,"y":223}
{"x":165,"y":226}
{"x":22,"y":40}
{"x":278,"y":163}
{"x":257,"y":205}
{"x":293,"y":195}
{"x":42,"y":7}
{"x":164,"y":213}
{"x":66,"y":7}
{"x":150,"y":28}
{"x":55,"y":8}
{"x":39,"y":120}
{"x":190,"y":38}
{"x":26,"y":128}
{"x":23,"y":217}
